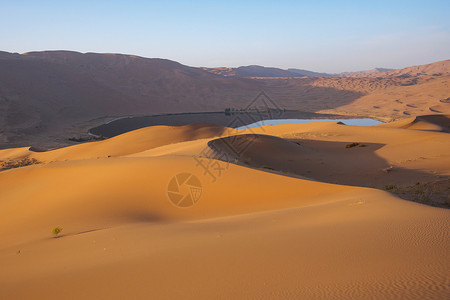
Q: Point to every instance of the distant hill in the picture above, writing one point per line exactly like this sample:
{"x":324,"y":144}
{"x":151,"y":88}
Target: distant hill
{"x":260,"y":71}
{"x":55,"y":90}
{"x":436,"y":69}
{"x":433,"y":69}
{"x":371,"y":72}
{"x":310,"y":73}
{"x":252,"y":71}
{"x":47,"y":97}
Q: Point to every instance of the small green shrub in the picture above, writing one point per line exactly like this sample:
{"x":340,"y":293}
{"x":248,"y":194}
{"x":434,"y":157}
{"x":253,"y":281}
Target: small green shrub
{"x":56,"y":231}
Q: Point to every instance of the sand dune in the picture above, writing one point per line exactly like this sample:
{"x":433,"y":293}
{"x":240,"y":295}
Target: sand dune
{"x":128,"y":143}
{"x":102,"y":193}
{"x":433,"y":69}
{"x":392,"y":98}
{"x":271,"y":223}
{"x":361,"y":247}
{"x":430,"y":123}
{"x":414,"y":161}
{"x":86,"y":90}
{"x":64,"y":93}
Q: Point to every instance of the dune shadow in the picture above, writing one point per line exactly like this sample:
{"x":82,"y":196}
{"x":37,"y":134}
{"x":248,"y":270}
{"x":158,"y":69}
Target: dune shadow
{"x":226,"y":119}
{"x":443,"y":121}
{"x":352,"y":163}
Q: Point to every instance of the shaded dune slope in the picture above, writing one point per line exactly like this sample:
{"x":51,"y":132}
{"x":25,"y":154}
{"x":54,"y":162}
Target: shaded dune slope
{"x":101,"y":193}
{"x":330,"y":152}
{"x":427,"y":122}
{"x":125,"y":144}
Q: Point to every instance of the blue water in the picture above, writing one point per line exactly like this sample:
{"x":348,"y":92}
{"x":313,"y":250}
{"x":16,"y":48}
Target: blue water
{"x":354,"y":122}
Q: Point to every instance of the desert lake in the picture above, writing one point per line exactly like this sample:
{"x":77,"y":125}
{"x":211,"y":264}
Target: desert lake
{"x":121,"y":125}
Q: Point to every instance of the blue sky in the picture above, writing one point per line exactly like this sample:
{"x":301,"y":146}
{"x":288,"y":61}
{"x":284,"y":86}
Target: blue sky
{"x":324,"y":36}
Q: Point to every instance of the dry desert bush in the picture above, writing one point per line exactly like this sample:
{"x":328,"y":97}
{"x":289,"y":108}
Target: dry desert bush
{"x":11,"y":164}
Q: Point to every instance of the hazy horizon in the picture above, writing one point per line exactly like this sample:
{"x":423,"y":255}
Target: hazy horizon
{"x":201,"y":66}
{"x":323,"y":36}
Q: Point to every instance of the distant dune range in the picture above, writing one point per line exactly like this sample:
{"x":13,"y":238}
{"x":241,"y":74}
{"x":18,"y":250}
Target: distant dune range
{"x":47,"y":97}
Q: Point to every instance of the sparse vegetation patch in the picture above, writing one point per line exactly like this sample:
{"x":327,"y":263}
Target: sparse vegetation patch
{"x":355,"y":145}
{"x":11,"y":164}
{"x":435,"y":193}
{"x":351,"y":145}
{"x":56,"y":231}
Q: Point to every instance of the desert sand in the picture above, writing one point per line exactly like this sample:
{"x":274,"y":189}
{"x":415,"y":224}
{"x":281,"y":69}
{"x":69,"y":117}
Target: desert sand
{"x":50,"y":96}
{"x":284,"y":211}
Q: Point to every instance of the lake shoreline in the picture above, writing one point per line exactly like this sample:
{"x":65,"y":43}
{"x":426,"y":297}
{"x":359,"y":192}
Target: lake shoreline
{"x":233,"y":119}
